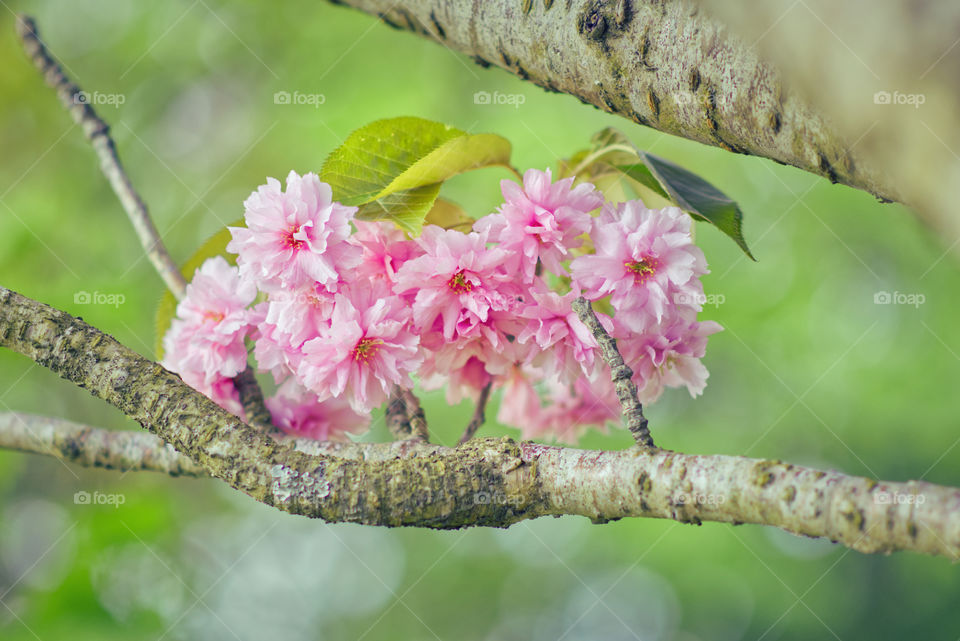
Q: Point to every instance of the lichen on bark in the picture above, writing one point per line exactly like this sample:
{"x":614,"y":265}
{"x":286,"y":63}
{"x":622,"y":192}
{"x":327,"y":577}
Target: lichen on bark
{"x":484,"y":482}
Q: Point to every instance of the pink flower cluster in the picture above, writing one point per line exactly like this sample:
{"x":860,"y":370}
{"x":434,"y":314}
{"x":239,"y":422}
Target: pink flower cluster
{"x":341,"y":311}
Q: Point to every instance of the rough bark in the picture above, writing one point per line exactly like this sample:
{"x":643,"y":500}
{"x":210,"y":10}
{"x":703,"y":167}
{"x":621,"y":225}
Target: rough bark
{"x":483,"y":482}
{"x":663,"y":64}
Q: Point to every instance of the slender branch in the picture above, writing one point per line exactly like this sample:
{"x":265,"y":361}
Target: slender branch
{"x":92,"y":447}
{"x":97,"y":131}
{"x":405,"y":418}
{"x":77,"y":103}
{"x":621,"y":373}
{"x":142,"y":451}
{"x":662,"y":64}
{"x":478,"y":414}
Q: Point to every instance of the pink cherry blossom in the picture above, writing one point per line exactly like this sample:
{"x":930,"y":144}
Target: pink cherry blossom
{"x":667,"y":355}
{"x":490,"y":343}
{"x":542,"y":221}
{"x":300,"y":413}
{"x":521,"y":405}
{"x":564,"y":346}
{"x":368,"y":348}
{"x":276,"y":352}
{"x":294,"y":238}
{"x":458,"y":279}
{"x":301,"y":314}
{"x":344,"y":318}
{"x":645,"y":261}
{"x":465,"y":381}
{"x":575,"y":408}
{"x":385,"y":249}
{"x":205,"y":341}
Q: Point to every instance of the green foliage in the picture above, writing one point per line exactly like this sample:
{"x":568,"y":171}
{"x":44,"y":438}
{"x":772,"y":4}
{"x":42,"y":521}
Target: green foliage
{"x":613,"y":162}
{"x":392,"y":169}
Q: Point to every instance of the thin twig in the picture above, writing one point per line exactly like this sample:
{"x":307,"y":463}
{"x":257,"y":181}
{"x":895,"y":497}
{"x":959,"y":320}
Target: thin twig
{"x":416,"y":417}
{"x":77,"y":103}
{"x":479,"y":414}
{"x":620,"y":372}
{"x":97,"y":131}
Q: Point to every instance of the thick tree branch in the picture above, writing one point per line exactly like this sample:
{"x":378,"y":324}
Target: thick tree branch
{"x":486,"y":481}
{"x":662,"y":64}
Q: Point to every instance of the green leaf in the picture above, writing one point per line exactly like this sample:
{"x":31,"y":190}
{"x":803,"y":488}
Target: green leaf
{"x":612,"y":151}
{"x":216,"y":245}
{"x":696,"y":196}
{"x":393,"y":168}
{"x":407,"y":209}
{"x":642,"y":174}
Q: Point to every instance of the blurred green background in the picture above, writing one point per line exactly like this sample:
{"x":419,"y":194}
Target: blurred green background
{"x":809,"y":368}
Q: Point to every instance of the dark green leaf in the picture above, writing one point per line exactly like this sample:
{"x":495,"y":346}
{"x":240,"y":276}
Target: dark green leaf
{"x":696,"y":196}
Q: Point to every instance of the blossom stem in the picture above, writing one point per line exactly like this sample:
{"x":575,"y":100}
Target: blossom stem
{"x":478,"y":414}
{"x":251,"y":398}
{"x":621,"y":373}
{"x":398,"y":421}
{"x":416,"y":417}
